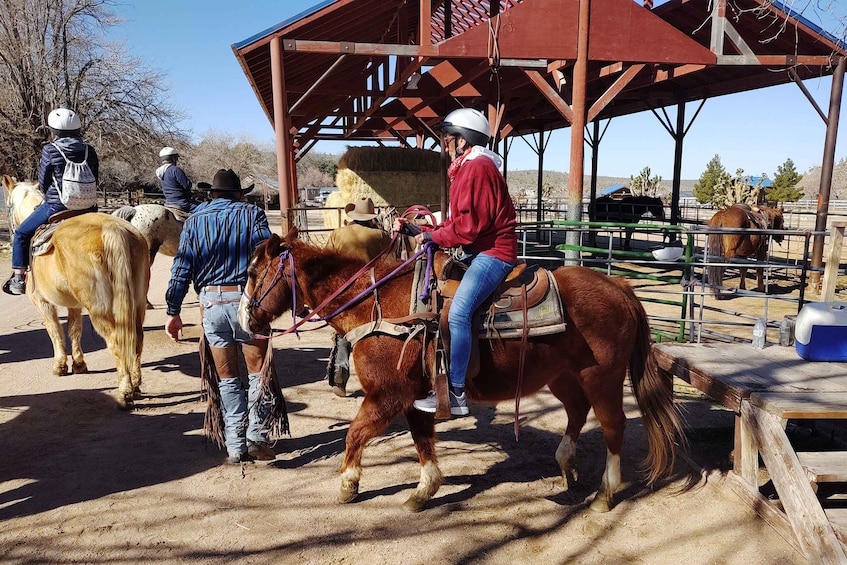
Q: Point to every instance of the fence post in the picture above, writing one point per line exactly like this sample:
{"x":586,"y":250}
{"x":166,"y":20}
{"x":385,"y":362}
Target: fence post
{"x":833,"y":261}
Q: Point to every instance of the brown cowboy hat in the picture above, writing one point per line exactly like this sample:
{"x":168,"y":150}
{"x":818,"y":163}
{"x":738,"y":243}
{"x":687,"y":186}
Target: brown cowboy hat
{"x":361,"y":210}
{"x":225,"y":180}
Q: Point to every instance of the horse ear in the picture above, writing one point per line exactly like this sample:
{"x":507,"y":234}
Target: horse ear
{"x":8,"y":182}
{"x":292,"y":234}
{"x":272,"y":245}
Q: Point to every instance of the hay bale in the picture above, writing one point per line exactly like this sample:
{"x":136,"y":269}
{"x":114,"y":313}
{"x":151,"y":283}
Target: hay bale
{"x":390,"y":176}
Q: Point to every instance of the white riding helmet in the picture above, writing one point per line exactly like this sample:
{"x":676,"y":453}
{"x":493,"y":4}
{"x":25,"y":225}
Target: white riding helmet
{"x":62,"y":119}
{"x":168,"y":152}
{"x":468,"y":123}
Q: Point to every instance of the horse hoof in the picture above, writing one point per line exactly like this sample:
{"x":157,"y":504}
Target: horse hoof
{"x":600,"y":504}
{"x":60,"y":370}
{"x":125,"y":402}
{"x":415,"y":504}
{"x":150,"y":306}
{"x":348,"y":494}
{"x":79,"y":368}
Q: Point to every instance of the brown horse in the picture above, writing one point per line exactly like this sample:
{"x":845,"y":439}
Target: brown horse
{"x":97,"y":262}
{"x":584,"y":367}
{"x":732,"y":245}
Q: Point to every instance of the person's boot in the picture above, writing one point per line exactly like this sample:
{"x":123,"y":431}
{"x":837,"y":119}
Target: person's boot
{"x":16,"y":285}
{"x":339,"y":363}
{"x":258,"y":409}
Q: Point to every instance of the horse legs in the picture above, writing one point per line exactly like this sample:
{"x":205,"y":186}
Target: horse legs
{"x":135,"y":369}
{"x":369,"y":422}
{"x":78,"y":365}
{"x":422,"y":427}
{"x":742,"y":278}
{"x":627,"y":241}
{"x":612,"y":421}
{"x":610,"y":414}
{"x":107,"y":328}
{"x":54,"y":330}
{"x":154,"y":248}
{"x":576,"y":407}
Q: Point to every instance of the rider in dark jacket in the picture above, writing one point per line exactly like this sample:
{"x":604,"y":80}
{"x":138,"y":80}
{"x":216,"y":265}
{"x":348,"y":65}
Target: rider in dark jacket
{"x":175,"y":183}
{"x":65,"y":126}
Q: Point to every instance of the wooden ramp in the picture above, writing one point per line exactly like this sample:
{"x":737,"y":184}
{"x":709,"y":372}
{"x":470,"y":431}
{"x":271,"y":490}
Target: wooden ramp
{"x":765,"y":388}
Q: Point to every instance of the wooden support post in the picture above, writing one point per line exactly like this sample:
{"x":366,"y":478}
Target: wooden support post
{"x":746,"y":454}
{"x":284,"y":149}
{"x":833,"y":261}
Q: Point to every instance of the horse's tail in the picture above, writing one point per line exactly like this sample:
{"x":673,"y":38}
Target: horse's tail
{"x":128,"y":261}
{"x":654,"y":394}
{"x":715,"y":251}
{"x":125,"y":213}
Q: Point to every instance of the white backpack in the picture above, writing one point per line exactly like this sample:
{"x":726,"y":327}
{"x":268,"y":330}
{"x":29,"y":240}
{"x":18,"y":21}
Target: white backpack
{"x":79,"y":187}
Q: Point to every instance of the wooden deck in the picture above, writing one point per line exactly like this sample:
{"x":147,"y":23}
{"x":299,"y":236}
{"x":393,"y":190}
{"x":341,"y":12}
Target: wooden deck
{"x":765,"y":388}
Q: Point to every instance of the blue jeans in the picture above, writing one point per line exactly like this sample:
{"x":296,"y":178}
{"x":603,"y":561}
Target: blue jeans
{"x":244,"y":413}
{"x":479,"y":282}
{"x":25,"y":231}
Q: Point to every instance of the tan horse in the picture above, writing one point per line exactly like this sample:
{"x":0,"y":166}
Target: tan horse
{"x":97,"y":262}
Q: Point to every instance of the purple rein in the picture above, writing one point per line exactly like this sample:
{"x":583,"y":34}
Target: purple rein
{"x":428,"y":247}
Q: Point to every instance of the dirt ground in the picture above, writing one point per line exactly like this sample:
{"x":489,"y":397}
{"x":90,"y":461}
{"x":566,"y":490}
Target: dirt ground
{"x":81,"y":482}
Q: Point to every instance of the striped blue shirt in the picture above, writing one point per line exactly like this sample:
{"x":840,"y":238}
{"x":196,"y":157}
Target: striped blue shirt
{"x":215,"y":247}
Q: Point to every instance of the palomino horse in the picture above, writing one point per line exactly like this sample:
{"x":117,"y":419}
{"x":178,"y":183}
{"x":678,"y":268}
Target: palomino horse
{"x":741,"y":245}
{"x":584,"y":367}
{"x":97,"y":262}
{"x":627,"y":210}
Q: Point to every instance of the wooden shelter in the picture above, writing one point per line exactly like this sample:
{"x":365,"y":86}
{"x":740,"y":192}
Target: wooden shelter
{"x":389,"y":70}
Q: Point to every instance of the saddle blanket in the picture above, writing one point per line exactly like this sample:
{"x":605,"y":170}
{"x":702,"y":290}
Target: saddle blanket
{"x":546,"y":317}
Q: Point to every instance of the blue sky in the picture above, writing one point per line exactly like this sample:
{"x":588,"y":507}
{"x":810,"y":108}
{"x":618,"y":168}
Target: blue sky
{"x":190,"y":42}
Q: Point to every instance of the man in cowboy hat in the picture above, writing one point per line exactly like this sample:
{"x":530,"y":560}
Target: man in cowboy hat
{"x":363,"y":239}
{"x":215,"y":248}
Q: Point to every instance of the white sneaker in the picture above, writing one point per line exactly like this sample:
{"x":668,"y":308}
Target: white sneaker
{"x":458,"y":404}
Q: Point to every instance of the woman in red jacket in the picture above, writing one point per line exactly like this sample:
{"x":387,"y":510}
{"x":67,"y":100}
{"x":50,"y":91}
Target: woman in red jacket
{"x":482,"y":221}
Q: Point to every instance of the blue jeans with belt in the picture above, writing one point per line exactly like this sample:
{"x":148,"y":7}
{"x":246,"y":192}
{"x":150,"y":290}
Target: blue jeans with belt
{"x":482,"y":278}
{"x":25,"y":231}
{"x":244,"y":414}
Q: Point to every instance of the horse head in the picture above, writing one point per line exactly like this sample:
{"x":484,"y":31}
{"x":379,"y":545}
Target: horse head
{"x":776,"y":221}
{"x":270,"y":290}
{"x":22,"y":198}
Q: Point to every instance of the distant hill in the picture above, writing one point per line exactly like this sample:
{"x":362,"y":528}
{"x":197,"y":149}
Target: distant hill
{"x":811,"y":182}
{"x":526,"y":182}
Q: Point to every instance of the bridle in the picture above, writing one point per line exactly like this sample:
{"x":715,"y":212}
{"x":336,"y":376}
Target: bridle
{"x":279,"y":274}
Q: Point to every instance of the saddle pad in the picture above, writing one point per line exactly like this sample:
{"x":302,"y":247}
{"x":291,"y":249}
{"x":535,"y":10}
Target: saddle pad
{"x":545,"y":317}
{"x":42,"y":241}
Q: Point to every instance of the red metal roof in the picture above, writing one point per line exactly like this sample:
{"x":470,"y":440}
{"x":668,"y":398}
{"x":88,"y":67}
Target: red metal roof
{"x":346,"y":63}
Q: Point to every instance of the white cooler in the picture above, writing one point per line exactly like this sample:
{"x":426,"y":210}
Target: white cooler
{"x":820,"y":333}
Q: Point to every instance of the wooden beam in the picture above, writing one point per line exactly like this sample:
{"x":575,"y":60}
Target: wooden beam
{"x":364,"y":49}
{"x":550,"y":94}
{"x":614,"y":90}
{"x":775,"y":60}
